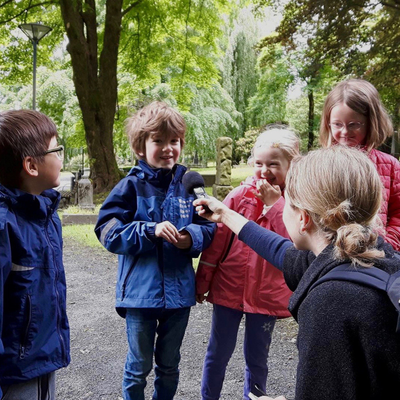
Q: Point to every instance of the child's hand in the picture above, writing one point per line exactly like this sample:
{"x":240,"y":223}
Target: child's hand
{"x":200,"y":298}
{"x":167,"y":231}
{"x":267,"y":193}
{"x":184,"y":240}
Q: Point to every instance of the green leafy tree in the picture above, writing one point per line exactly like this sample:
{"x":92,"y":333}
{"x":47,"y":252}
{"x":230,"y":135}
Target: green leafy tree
{"x":268,"y":105}
{"x":358,"y":38}
{"x":150,"y":39}
{"x":239,"y":76}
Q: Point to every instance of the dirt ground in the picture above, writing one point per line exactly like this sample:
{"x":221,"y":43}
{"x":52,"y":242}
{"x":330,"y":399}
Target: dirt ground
{"x":98,"y":341}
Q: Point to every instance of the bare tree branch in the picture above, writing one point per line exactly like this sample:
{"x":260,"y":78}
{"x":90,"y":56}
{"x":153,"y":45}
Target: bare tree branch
{"x":25,"y":10}
{"x":129,"y":8}
{"x":395,"y":6}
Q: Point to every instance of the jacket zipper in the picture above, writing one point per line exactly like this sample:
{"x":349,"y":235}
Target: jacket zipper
{"x":228,"y":248}
{"x":56,"y":281}
{"x":27,"y":318}
{"x":229,"y":245}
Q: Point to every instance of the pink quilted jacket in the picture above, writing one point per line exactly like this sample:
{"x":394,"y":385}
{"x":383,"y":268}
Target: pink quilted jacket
{"x":389,"y":170}
{"x":233,"y":274}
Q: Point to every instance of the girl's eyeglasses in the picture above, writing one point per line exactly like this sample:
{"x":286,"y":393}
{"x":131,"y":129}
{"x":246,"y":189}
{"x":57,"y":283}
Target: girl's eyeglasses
{"x":59,"y":150}
{"x":351,"y":127}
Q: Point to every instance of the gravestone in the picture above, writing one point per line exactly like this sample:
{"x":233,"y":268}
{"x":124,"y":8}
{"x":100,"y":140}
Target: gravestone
{"x":222,"y":184}
{"x":85,"y":191}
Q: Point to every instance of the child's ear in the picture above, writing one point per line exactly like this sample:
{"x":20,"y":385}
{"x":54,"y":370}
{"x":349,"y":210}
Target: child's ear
{"x":30,"y":166}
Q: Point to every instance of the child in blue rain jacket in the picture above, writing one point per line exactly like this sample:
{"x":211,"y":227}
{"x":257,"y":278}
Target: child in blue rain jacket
{"x":34,"y":329}
{"x":149,"y":220}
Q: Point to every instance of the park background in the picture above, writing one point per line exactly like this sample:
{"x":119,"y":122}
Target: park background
{"x":230,"y":66}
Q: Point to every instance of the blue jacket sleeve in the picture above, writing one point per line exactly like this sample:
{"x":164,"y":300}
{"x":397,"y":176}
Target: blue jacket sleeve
{"x":269,"y":245}
{"x":116,"y":228}
{"x":202,"y":232}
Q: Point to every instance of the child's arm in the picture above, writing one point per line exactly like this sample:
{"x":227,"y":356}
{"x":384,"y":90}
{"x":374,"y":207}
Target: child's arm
{"x":201,"y":233}
{"x":393,"y":221}
{"x":211,"y":257}
{"x":116,"y":227}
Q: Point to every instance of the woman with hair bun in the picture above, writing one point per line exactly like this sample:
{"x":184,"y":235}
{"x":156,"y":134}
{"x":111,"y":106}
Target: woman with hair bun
{"x":347,"y":341}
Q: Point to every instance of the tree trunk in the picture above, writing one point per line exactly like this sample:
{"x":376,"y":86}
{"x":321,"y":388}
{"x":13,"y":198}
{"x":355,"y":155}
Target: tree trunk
{"x":310,"y":119}
{"x":95,"y":80}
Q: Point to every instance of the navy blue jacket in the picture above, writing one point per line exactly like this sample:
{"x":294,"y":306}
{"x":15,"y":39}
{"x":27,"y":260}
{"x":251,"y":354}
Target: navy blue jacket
{"x":33,"y":322}
{"x":152,"y":272}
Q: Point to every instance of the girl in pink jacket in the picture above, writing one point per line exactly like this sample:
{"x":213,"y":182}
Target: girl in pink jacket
{"x":354,"y":115}
{"x":237,"y":280}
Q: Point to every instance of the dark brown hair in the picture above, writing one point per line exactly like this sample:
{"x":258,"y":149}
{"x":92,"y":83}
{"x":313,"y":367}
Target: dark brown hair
{"x":23,"y":133}
{"x":156,"y":117}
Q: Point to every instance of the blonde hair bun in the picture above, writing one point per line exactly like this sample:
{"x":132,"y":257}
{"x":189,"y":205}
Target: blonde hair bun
{"x":340,"y":188}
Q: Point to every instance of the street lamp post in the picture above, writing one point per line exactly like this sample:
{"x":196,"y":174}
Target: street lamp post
{"x":34,"y":32}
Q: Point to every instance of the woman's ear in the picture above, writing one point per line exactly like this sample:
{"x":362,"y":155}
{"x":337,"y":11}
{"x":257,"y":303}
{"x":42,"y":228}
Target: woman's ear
{"x":30,"y":166}
{"x":306,"y":222}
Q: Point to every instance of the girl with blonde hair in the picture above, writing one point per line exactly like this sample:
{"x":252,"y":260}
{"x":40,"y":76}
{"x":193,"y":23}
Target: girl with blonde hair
{"x":347,"y":341}
{"x":239,"y":282}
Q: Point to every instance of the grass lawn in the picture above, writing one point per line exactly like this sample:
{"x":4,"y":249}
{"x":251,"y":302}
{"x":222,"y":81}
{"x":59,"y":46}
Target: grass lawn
{"x":239,"y":174}
{"x":84,"y":233}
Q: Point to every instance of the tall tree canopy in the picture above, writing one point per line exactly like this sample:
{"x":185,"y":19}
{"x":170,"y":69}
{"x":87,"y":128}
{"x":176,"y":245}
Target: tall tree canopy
{"x":154,"y":40}
{"x":356,"y":38}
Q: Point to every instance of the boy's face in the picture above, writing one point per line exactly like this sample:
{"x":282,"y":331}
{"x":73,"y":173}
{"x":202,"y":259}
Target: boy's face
{"x":162,"y":151}
{"x":49,"y":169}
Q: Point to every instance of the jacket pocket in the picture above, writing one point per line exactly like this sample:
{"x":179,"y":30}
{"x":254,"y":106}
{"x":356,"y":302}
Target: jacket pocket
{"x":26,"y":326}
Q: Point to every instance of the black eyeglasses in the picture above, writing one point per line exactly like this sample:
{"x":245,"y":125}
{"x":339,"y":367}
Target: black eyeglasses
{"x":59,"y":150}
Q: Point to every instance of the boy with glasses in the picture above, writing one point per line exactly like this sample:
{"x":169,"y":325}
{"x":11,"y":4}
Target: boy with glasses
{"x":34,"y":330}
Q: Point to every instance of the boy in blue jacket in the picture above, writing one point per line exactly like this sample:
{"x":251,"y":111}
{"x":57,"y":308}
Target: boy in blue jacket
{"x":34,"y":331}
{"x":149,"y":220}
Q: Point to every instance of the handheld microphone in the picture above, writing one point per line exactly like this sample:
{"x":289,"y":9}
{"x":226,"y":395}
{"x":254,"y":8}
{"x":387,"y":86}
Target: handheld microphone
{"x":193,"y":183}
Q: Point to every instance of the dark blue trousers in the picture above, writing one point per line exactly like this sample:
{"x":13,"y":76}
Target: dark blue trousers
{"x":224,"y":330}
{"x":157,"y":331}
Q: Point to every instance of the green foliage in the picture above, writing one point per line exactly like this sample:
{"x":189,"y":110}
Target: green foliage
{"x":360,"y":40}
{"x":238,"y":73}
{"x":174,"y":42}
{"x":244,"y":145}
{"x":167,"y":50}
{"x":212,"y":114}
{"x":269,"y":103}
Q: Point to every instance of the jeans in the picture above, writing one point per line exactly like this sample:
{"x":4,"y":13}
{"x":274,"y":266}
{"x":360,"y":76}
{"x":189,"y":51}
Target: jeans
{"x":142,"y":324}
{"x":224,"y":330}
{"x":40,"y":388}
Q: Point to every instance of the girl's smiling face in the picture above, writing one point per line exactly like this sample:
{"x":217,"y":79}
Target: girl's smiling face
{"x":347,"y":126}
{"x":271,"y":164}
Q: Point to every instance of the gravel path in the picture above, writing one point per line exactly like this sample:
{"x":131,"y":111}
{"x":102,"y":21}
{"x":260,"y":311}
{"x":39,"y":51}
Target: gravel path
{"x":98,"y":341}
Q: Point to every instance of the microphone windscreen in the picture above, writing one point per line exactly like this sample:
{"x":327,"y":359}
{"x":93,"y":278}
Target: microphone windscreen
{"x":191,"y":180}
